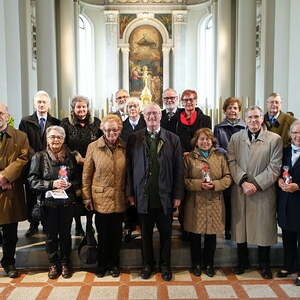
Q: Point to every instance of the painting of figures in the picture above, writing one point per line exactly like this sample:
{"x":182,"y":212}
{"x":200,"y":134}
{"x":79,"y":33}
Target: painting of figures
{"x":145,"y":63}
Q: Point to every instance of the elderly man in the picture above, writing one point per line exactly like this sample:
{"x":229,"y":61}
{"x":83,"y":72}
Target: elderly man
{"x":276,"y":120}
{"x":35,"y":127}
{"x":254,"y":156}
{"x":14,"y":156}
{"x":169,"y":117}
{"x":155,"y":186}
{"x":121,"y":99}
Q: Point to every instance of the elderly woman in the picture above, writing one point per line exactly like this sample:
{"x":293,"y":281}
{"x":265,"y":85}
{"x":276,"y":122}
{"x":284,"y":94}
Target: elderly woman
{"x":54,"y":177}
{"x":206,"y":175}
{"x":223,"y":132}
{"x":289,"y":204}
{"x":103,"y":189}
{"x":135,"y":120}
{"x":81,"y":129}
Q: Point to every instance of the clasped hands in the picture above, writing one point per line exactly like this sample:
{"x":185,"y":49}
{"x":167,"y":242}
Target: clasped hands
{"x":61,"y":184}
{"x":249,"y":188}
{"x":288,"y":187}
{"x":4,"y":183}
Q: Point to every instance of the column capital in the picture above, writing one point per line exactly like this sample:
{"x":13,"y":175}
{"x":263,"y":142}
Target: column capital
{"x":125,"y":50}
{"x":111,"y":16}
{"x":166,"y":49}
{"x":179,"y":16}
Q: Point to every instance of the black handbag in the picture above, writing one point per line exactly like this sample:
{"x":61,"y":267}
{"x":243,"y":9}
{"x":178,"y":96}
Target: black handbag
{"x":87,"y":249}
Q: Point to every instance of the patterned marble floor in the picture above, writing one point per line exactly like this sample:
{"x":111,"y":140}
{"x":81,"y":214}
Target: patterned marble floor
{"x":84,"y":285}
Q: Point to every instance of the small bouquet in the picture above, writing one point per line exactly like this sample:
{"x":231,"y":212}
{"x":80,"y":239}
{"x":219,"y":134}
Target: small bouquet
{"x":287,"y":178}
{"x":206,"y":174}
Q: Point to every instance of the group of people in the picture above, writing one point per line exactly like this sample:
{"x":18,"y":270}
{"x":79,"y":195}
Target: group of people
{"x":139,"y":164}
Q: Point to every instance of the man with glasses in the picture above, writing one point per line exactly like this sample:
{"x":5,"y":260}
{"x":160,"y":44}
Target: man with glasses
{"x":14,"y":156}
{"x":155,"y":186}
{"x":35,"y":127}
{"x":276,"y":120}
{"x":121,"y":99}
{"x":169,"y":117}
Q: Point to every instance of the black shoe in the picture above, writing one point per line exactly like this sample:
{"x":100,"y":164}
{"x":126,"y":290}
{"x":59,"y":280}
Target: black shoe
{"x":100,"y":272}
{"x":266,"y":273}
{"x":196,"y":270}
{"x":79,"y":231}
{"x":146,"y":272}
{"x":297,"y":281}
{"x":282,"y":274}
{"x":128,"y":236}
{"x":166,"y":275}
{"x":53,"y":272}
{"x":115,"y":271}
{"x":239,"y":270}
{"x":11,"y":271}
{"x":33,"y":229}
{"x":66,"y":271}
{"x":227,"y":235}
{"x":210,"y":271}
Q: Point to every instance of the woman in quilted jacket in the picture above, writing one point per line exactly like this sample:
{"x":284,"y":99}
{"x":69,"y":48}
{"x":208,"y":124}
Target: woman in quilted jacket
{"x":103,"y":189}
{"x":206,"y":175}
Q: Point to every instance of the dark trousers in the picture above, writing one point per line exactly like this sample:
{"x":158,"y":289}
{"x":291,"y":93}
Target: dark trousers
{"x":9,"y":243}
{"x":227,"y":203}
{"x":163,"y":223}
{"x":58,"y":240}
{"x":291,"y":246}
{"x":109,"y":229}
{"x":210,"y":242}
{"x":263,"y":255}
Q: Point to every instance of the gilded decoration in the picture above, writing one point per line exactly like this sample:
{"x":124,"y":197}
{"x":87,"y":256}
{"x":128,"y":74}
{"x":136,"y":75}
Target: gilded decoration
{"x":166,"y":19}
{"x":124,"y":20}
{"x":145,"y":64}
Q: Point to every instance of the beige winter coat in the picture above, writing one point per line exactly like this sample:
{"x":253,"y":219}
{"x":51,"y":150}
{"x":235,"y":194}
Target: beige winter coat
{"x":204,"y":209}
{"x":254,"y":217}
{"x":103,"y":177}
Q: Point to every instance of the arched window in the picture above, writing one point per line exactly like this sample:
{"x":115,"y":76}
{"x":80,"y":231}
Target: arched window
{"x":86,"y":85}
{"x":206,"y":66}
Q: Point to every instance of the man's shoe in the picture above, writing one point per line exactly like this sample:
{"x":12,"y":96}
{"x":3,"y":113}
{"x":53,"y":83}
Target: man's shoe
{"x":66,"y":271}
{"x":146,"y":272}
{"x":210,"y":271}
{"x":266,"y":273}
{"x":282,"y":274}
{"x":166,"y":275}
{"x":53,"y":272}
{"x":11,"y":271}
{"x":196,"y":270}
{"x":100,"y":272}
{"x":239,"y":270}
{"x":115,"y":271}
{"x":33,"y":229}
{"x":297,"y":281}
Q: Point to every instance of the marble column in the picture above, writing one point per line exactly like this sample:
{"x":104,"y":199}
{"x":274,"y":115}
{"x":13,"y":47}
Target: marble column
{"x":46,"y":50}
{"x":179,"y":57}
{"x":245,"y":49}
{"x":112,"y":52}
{"x":125,"y":60}
{"x":166,"y":66}
{"x":66,"y":56}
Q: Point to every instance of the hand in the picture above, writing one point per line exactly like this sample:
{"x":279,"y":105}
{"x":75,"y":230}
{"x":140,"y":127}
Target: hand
{"x":61,"y":184}
{"x":249,"y":188}
{"x":89,"y":205}
{"x":290,"y":187}
{"x":185,"y":153}
{"x":131,"y":200}
{"x":3,"y":180}
{"x":6,"y":186}
{"x":281,"y":183}
{"x":207,"y":185}
{"x":176,"y":203}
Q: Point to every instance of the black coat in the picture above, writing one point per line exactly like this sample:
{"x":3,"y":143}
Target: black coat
{"x":171,"y":184}
{"x":128,"y":130}
{"x":79,"y":137}
{"x":169,"y":124}
{"x":186,"y":132}
{"x":288,"y":204}
{"x":43,"y":171}
{"x":30,"y":125}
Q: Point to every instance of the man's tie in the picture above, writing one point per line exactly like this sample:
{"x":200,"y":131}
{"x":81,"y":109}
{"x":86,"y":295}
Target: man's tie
{"x":170,"y":115}
{"x":272,"y":120}
{"x":42,"y":126}
{"x":296,"y":150}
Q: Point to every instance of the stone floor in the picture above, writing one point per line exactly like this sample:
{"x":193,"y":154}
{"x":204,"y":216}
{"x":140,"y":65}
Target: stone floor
{"x":84,"y":285}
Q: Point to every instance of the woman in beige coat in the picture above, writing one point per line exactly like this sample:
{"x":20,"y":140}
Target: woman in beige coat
{"x":206,"y":176}
{"x":103,"y":189}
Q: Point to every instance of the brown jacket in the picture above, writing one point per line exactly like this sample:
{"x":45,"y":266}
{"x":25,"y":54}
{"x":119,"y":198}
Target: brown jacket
{"x":14,"y":150}
{"x":204,"y":209}
{"x":103,"y":178}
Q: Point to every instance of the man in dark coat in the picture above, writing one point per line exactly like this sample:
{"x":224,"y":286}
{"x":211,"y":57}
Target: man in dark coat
{"x":155,"y":186}
{"x":14,"y":156}
{"x":35,"y":127}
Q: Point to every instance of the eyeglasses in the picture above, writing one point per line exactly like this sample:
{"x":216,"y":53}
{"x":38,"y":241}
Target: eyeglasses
{"x":295,"y":133}
{"x":188,"y":99}
{"x":57,"y":137}
{"x":170,"y":98}
{"x":122,"y":97}
{"x":132,"y":106}
{"x":154,"y":113}
{"x":113,"y":130}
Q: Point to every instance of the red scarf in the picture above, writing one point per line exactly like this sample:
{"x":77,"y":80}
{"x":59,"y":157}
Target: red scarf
{"x":190,"y":121}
